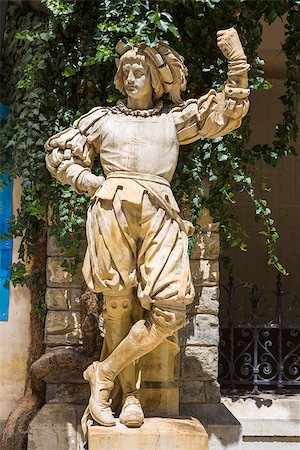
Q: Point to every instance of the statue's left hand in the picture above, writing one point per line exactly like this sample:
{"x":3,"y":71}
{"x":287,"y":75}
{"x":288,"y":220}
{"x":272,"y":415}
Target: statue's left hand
{"x":230,"y":45}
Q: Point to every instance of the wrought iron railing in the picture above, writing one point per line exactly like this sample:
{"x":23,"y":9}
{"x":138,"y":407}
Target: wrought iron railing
{"x":259,"y":339}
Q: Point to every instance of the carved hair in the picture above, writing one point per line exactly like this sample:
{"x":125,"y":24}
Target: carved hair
{"x":167,"y":70}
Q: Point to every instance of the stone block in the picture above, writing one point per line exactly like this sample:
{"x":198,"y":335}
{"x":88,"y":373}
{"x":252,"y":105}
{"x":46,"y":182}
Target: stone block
{"x":223,"y":429}
{"x":195,"y":391}
{"x":64,"y":375}
{"x":77,"y":394}
{"x":63,"y":328}
{"x":207,"y":300}
{"x":57,"y":276}
{"x":54,"y":249}
{"x":156,"y":433}
{"x":207,"y":246}
{"x":201,"y":329}
{"x":206,"y":221}
{"x":51,"y":348}
{"x":160,"y":399}
{"x":205,"y":272}
{"x":55,"y":427}
{"x":63,"y":299}
{"x":158,"y":365}
{"x":199,"y":363}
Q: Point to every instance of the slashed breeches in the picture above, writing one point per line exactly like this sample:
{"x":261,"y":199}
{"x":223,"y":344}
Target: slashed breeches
{"x":137,"y":246}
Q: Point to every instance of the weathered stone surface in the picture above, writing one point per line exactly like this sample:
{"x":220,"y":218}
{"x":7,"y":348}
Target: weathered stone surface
{"x":205,"y":272}
{"x":202,"y":329}
{"x":207,"y":246}
{"x":194,"y":391}
{"x":65,"y":375}
{"x":160,"y":399}
{"x":158,"y":365}
{"x":59,"y":277}
{"x":206,"y":221}
{"x":77,"y":394}
{"x":51,"y":348}
{"x":199,"y":363}
{"x":156,"y":433}
{"x":63,"y":298}
{"x":207,"y":300}
{"x":63,"y":327}
{"x":55,"y":427}
{"x":53,"y":248}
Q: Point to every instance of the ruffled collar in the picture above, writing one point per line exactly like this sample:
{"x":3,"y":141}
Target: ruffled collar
{"x":139,"y":112}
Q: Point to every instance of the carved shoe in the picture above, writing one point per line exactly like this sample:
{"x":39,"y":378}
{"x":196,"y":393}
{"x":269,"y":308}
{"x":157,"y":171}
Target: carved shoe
{"x":99,"y":400}
{"x":132,"y":414}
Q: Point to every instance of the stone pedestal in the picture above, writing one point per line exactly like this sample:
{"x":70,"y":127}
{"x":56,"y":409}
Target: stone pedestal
{"x":156,"y":433}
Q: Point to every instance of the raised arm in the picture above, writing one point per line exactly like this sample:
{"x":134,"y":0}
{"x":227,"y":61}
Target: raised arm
{"x":70,"y":154}
{"x":217,"y":113}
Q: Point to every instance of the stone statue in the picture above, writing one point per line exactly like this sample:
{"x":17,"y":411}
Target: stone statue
{"x":137,"y":244}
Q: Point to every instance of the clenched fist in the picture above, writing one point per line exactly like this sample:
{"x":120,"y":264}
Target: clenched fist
{"x":230,"y":45}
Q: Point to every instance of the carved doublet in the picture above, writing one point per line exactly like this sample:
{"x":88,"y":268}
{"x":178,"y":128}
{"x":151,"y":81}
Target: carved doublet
{"x":138,"y":144}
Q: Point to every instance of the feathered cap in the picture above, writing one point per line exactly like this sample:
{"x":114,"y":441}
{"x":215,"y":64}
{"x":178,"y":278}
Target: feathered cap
{"x":167,"y":69}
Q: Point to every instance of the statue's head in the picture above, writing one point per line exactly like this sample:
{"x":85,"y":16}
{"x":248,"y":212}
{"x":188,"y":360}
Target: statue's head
{"x":158,"y":68}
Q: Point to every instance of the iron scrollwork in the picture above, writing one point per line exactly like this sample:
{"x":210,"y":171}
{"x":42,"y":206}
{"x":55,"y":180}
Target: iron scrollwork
{"x":259,"y":346}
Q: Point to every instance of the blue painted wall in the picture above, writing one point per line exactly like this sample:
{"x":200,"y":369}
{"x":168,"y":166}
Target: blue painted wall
{"x":5,"y":246}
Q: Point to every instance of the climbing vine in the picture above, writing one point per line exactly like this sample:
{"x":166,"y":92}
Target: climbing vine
{"x":58,"y":65}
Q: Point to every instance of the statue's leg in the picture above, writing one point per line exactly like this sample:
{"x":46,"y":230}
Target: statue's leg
{"x":117,"y":320}
{"x":144,"y":336}
{"x":117,"y":317}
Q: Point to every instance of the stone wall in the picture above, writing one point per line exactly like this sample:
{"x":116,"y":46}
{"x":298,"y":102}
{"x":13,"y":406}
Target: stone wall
{"x":63,"y":326}
{"x":199,"y":340}
{"x":197,"y":363}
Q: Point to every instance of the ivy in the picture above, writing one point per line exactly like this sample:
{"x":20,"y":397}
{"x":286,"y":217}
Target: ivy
{"x":57,"y":66}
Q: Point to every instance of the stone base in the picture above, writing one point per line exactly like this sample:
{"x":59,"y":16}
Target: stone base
{"x":56,"y":427}
{"x":223,"y":429}
{"x":160,"y":399}
{"x":156,"y":433}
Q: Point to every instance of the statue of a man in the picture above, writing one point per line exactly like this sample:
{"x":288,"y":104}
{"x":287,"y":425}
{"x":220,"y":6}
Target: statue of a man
{"x":137,"y":243}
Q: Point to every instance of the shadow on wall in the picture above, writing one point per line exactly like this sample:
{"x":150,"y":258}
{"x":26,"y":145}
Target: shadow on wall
{"x":223,"y":429}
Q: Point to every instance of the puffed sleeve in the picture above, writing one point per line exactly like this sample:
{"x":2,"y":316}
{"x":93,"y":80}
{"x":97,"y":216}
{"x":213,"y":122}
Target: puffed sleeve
{"x":213,"y":115}
{"x":216,"y":113}
{"x":70,"y":154}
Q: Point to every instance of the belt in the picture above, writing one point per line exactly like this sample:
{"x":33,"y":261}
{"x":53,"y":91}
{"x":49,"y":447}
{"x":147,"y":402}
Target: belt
{"x":139,"y":176}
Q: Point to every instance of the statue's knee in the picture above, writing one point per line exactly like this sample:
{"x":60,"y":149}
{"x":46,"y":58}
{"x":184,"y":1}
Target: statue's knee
{"x":169,"y":321}
{"x":117,"y":307}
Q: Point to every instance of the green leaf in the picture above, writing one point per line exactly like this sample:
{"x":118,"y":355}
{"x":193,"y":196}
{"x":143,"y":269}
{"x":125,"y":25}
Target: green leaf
{"x":222,"y":157}
{"x":174,"y":30}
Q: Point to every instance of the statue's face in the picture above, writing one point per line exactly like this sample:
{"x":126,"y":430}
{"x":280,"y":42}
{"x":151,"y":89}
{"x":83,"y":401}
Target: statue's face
{"x":136,"y":79}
